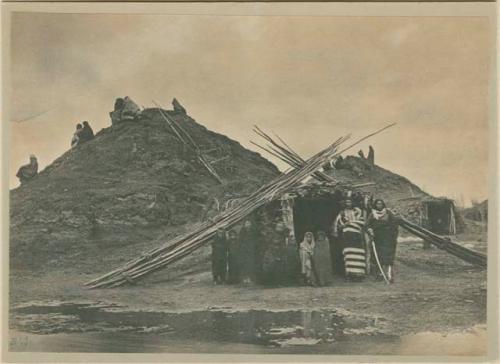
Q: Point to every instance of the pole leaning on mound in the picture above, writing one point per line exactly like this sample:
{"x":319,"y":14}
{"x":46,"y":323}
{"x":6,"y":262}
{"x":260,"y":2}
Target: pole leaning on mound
{"x":288,"y":155}
{"x":185,"y":138}
{"x":183,"y":245}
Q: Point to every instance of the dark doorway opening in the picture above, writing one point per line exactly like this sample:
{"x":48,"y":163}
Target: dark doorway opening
{"x":317,"y":214}
{"x":440,"y":217}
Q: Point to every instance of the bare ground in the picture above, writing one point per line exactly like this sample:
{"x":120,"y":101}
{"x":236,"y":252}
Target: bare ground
{"x":434,"y":291}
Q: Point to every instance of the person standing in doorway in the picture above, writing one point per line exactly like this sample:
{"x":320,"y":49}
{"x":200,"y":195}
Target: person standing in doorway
{"x":382,"y":226}
{"x":348,"y":226}
{"x":306,"y":252}
{"x":322,"y":261}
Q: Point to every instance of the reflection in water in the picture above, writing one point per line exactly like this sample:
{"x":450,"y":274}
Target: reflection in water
{"x":97,"y":328}
{"x":254,"y":326}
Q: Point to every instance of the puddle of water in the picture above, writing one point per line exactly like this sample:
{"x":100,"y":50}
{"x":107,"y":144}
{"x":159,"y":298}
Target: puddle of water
{"x":271,"y":329}
{"x":87,"y":327}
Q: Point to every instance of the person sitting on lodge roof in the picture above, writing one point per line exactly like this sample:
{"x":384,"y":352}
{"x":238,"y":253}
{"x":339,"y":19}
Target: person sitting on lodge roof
{"x":219,"y":257}
{"x":76,"y":136}
{"x":28,"y":171}
{"x":382,"y":226}
{"x":87,"y":132}
{"x":306,"y":251}
{"x":178,"y":107}
{"x":125,"y":110}
{"x":348,"y":227}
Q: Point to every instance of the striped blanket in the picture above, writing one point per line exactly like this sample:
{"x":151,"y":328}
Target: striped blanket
{"x":351,"y":225}
{"x":354,"y":261}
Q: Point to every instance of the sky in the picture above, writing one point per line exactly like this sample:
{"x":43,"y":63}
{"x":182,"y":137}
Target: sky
{"x":309,"y":79}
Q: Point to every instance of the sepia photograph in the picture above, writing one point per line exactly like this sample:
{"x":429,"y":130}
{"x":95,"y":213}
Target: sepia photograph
{"x":288,"y":179}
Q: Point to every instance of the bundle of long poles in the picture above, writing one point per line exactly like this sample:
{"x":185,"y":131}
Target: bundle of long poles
{"x":186,"y":139}
{"x":285,"y":153}
{"x":183,"y":245}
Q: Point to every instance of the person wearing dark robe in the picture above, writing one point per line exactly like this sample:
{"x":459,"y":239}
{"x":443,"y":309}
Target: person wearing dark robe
{"x":274,"y":258}
{"x":87,"y":133}
{"x":178,"y":107}
{"x":76,"y":136}
{"x":248,"y":241}
{"x":348,"y":227}
{"x":292,"y":262}
{"x":233,"y":258}
{"x":219,"y":257}
{"x":306,"y":252}
{"x":322,"y":260}
{"x":382,"y":226}
{"x":28,"y":171}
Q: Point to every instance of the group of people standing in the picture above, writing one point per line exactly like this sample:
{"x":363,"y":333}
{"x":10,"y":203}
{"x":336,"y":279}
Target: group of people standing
{"x":83,"y":134}
{"x":234,"y":255}
{"x":366,"y":236}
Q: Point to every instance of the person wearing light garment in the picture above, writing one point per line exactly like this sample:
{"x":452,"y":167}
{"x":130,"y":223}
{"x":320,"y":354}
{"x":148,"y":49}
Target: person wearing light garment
{"x":76,"y":136}
{"x":382,"y":226}
{"x":348,"y":227}
{"x":306,"y":252}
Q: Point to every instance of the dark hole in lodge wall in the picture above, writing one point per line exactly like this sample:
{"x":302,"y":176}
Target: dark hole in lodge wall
{"x":440,"y":218}
{"x":315,"y":214}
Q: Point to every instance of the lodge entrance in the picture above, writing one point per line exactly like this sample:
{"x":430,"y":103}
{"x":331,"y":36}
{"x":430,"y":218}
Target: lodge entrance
{"x":317,"y":214}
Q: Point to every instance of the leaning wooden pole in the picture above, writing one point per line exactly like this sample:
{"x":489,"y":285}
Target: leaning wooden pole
{"x":189,"y":142}
{"x":447,"y":245}
{"x":184,"y":245}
